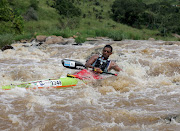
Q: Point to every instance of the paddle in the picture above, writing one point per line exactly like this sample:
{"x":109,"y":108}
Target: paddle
{"x":72,"y":64}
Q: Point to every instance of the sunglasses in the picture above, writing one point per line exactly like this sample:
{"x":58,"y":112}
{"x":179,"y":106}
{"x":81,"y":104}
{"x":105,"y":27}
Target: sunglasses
{"x":106,"y":51}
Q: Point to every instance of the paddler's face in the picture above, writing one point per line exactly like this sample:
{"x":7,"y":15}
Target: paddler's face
{"x":106,"y":52}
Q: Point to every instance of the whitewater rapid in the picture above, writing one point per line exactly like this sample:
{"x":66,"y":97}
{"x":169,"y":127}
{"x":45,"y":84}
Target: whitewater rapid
{"x":141,"y":97}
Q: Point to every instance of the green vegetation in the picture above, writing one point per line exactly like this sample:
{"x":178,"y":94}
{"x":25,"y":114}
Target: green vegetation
{"x":87,"y":18}
{"x":11,"y":22}
{"x":161,"y":15}
{"x":66,"y":8}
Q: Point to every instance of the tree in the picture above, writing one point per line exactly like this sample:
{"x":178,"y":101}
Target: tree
{"x":70,"y":14}
{"x":127,"y":11}
{"x":5,"y":11}
{"x":66,"y":8}
{"x":166,"y":17}
{"x":161,"y":15}
{"x":10,"y":21}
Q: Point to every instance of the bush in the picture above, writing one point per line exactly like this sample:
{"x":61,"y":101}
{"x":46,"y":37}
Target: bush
{"x":34,"y":4}
{"x":6,"y":39}
{"x":65,"y":33}
{"x":23,"y":37}
{"x":5,"y":28}
{"x":115,"y":35}
{"x":101,"y":32}
{"x":80,"y":39}
{"x":18,"y":24}
{"x":31,"y":15}
{"x":69,"y":22}
{"x":50,"y":3}
{"x":97,"y":3}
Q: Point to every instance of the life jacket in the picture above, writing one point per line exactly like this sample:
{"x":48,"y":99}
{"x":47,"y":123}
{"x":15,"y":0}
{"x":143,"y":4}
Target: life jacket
{"x":102,"y":64}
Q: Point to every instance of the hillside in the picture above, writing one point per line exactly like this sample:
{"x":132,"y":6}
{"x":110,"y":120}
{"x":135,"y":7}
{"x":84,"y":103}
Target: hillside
{"x":94,"y":21}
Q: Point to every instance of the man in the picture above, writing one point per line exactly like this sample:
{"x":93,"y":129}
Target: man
{"x":102,"y":63}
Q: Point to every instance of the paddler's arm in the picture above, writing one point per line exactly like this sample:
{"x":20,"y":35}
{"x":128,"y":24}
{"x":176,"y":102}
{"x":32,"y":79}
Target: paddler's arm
{"x":114,"y":66}
{"x":91,"y":61}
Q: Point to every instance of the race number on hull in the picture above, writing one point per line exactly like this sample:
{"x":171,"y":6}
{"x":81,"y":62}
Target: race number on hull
{"x":49,"y":83}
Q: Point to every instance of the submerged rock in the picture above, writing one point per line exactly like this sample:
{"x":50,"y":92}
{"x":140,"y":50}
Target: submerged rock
{"x":6,"y":47}
{"x":171,"y":117}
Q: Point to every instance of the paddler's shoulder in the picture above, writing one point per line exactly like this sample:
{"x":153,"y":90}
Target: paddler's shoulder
{"x":91,"y":60}
{"x":95,"y":56}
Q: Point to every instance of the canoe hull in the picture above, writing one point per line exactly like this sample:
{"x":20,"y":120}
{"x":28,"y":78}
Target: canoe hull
{"x":63,"y":82}
{"x":58,"y":83}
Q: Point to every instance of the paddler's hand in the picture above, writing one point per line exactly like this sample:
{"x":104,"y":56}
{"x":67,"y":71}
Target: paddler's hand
{"x":97,"y":70}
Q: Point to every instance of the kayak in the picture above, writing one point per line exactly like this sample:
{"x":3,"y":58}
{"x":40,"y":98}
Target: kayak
{"x":63,"y":82}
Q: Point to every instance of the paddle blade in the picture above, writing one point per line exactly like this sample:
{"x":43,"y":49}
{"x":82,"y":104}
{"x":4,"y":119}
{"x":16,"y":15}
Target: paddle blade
{"x":72,"y":64}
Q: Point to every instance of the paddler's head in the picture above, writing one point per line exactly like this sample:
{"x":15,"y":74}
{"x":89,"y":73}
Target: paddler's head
{"x":107,"y":51}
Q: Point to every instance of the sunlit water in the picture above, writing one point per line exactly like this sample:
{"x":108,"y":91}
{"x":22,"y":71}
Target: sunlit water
{"x":139,"y":98}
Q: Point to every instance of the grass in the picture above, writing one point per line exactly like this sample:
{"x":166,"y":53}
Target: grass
{"x":23,"y":37}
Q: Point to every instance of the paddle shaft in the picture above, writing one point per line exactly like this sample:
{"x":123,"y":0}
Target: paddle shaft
{"x":110,"y":73}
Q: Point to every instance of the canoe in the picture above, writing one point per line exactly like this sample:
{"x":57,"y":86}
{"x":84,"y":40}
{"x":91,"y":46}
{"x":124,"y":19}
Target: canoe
{"x":63,"y":82}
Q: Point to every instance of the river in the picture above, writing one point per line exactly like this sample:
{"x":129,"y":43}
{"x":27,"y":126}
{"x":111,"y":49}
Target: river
{"x":141,"y":97}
